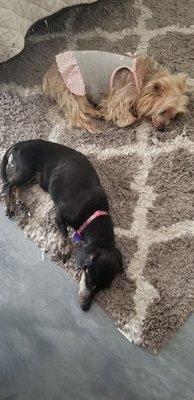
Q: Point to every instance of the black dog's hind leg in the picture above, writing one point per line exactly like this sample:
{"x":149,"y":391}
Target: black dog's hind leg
{"x":9,"y":196}
{"x":65,"y":243}
{"x":19,"y":180}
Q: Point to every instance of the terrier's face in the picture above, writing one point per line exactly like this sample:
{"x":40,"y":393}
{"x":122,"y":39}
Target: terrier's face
{"x":163,"y":98}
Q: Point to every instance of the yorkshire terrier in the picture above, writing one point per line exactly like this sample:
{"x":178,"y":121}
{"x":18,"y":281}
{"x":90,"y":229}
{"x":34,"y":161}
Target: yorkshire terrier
{"x":121,"y":89}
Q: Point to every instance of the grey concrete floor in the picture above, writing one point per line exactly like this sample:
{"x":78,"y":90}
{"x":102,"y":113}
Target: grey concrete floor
{"x":51,"y":350}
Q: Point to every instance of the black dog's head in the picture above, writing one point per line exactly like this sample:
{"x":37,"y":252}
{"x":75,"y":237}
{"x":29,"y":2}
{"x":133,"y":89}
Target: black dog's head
{"x":100,"y":266}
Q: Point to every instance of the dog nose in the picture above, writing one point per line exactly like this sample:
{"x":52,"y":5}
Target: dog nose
{"x":161,"y":128}
{"x":85,"y":305}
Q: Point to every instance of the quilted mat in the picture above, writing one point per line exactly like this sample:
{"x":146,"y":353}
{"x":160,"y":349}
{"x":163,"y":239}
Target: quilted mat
{"x":16,"y":17}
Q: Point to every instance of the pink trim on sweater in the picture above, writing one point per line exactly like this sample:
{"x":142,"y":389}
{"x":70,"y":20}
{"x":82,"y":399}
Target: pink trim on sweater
{"x":133,"y":71}
{"x":70,"y":73}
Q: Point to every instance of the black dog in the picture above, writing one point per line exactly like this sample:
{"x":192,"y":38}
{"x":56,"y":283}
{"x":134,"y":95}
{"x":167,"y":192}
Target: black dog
{"x":75,"y":188}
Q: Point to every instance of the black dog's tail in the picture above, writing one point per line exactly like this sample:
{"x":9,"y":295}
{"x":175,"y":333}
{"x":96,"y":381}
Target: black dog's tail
{"x":4,"y":163}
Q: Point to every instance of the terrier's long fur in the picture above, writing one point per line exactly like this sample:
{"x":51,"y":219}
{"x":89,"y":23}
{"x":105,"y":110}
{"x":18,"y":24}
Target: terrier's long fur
{"x":160,"y":98}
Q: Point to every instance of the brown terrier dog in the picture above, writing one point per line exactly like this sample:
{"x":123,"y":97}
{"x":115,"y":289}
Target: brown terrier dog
{"x":119,"y":88}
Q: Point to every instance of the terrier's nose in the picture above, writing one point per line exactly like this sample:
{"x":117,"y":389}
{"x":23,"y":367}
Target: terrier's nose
{"x":161,"y":128}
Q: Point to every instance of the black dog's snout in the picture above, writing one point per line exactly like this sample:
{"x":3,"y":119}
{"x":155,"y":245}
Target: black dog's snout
{"x":85,"y":305}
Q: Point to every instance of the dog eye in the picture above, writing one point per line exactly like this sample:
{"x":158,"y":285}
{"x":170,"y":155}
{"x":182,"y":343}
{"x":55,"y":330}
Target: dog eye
{"x":163,"y":112}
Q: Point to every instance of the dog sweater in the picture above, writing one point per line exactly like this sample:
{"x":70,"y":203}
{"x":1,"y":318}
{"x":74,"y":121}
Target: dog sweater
{"x":91,"y":73}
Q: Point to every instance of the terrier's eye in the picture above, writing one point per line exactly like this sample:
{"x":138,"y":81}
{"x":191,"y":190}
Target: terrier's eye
{"x":163,"y":112}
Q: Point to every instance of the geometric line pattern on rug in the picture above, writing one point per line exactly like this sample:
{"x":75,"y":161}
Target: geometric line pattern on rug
{"x":146,"y":237}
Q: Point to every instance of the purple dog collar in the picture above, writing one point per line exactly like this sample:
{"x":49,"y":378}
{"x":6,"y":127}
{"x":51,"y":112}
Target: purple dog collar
{"x":77,"y":235}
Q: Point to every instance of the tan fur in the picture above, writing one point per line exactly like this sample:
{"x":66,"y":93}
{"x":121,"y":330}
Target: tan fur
{"x":74,"y":107}
{"x":161,"y":97}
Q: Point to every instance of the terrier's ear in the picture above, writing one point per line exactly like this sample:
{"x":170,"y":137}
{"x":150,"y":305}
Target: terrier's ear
{"x":182,"y":82}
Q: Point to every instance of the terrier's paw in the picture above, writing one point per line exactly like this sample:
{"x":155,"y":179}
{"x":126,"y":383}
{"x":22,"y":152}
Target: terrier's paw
{"x":130,"y":120}
{"x":90,"y":126}
{"x":93,"y":128}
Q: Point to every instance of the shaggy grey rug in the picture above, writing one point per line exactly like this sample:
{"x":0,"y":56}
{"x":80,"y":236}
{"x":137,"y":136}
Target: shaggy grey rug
{"x":148,"y":176}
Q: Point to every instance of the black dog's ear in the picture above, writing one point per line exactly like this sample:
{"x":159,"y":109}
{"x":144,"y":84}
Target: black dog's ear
{"x":85,"y":257}
{"x":87,"y":262}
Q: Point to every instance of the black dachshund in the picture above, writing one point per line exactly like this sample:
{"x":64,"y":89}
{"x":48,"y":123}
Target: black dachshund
{"x":80,"y":202}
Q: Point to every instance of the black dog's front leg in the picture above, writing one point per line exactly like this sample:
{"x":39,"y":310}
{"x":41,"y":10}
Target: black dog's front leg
{"x":66,"y":243}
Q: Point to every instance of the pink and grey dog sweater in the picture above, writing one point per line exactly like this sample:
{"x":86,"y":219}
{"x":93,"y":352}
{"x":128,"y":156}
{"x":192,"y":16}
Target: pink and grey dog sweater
{"x":91,"y":73}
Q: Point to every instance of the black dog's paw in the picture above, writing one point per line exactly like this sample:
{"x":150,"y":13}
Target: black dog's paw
{"x":64,"y":257}
{"x":21,"y":207}
{"x":4,"y":188}
{"x":9,"y":213}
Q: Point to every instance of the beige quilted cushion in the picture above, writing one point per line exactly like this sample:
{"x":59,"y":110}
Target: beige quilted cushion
{"x":17,"y":16}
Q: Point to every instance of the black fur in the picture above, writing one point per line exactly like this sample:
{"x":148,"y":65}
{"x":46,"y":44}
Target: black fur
{"x":75,"y":188}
